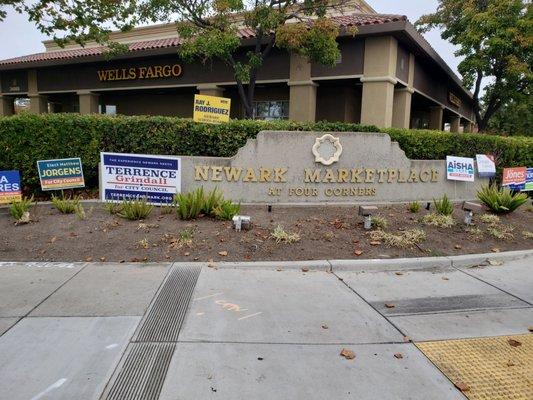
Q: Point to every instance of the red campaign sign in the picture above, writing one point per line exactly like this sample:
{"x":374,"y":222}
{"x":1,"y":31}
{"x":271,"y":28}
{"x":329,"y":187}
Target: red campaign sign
{"x":514,"y":176}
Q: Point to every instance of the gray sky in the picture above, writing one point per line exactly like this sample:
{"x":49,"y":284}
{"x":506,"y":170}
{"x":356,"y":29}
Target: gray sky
{"x":20,"y":37}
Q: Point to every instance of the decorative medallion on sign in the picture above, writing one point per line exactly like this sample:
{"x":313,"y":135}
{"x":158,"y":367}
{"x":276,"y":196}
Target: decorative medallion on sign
{"x":327,"y":149}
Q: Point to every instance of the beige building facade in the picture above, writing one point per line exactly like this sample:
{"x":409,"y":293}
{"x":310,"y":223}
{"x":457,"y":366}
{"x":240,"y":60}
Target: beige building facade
{"x":387,"y":75}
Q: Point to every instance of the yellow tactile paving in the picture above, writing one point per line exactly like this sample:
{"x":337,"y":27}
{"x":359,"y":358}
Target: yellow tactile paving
{"x":486,"y":368}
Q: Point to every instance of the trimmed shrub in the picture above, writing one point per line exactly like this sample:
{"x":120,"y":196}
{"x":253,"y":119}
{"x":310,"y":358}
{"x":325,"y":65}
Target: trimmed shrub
{"x":26,"y":138}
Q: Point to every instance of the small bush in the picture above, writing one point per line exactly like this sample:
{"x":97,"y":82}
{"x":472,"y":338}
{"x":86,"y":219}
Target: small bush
{"x":502,"y":232}
{"x":527,"y":234}
{"x":20,"y":210}
{"x":414,"y":207}
{"x":112,"y":208}
{"x":135,"y":210}
{"x":226,"y":210}
{"x":440,"y":220}
{"x":379,"y":222}
{"x":80,"y":212}
{"x":185,"y":237}
{"x":66,"y":205}
{"x":443,"y":206}
{"x":165,"y":210}
{"x":280,"y":235}
{"x":406,"y":239}
{"x":500,"y":201}
{"x":190,"y":205}
{"x":211,"y":201}
{"x":490,"y":219}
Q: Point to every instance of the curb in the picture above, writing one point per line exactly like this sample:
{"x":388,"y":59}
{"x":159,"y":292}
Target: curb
{"x":368,"y":265}
{"x":471,"y":260}
{"x":463,"y":261}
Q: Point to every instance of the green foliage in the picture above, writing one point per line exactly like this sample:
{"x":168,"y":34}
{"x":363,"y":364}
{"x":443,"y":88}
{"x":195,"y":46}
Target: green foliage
{"x":379,"y":222}
{"x":226,"y":210}
{"x":414,"y":207}
{"x":112,"y":208}
{"x":440,"y":220}
{"x":135,"y":210}
{"x":500,"y":201}
{"x":190,"y":205}
{"x":17,"y":209}
{"x":280,"y":235}
{"x":406,"y":239}
{"x":502,"y":232}
{"x":443,"y":206}
{"x":27,"y":138}
{"x":494,"y":39}
{"x":515,"y":118}
{"x":211,"y":201}
{"x":66,"y":205}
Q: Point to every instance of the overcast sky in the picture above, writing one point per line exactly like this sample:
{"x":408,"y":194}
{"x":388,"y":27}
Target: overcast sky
{"x":20,"y":37}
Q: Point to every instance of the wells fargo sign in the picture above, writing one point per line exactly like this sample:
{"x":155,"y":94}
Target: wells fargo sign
{"x":133,"y":73}
{"x":313,"y":167}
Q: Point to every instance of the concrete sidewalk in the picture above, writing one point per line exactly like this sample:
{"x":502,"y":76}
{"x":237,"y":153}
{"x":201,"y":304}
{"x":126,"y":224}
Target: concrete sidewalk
{"x":269,"y":331}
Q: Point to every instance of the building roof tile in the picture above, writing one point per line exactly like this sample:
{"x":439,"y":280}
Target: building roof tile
{"x":244,"y":33}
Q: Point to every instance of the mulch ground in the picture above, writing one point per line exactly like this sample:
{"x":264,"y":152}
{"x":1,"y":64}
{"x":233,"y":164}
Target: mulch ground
{"x":326,"y":232}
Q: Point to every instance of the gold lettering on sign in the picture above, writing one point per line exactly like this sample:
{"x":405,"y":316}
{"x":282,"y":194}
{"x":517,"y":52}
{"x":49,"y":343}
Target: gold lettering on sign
{"x":132,"y":73}
{"x":217,"y":173}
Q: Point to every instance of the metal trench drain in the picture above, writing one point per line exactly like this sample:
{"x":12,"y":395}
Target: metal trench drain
{"x":143,"y":368}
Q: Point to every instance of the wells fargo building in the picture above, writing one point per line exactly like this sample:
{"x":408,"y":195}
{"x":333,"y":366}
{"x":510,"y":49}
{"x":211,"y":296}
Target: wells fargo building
{"x":387,"y":75}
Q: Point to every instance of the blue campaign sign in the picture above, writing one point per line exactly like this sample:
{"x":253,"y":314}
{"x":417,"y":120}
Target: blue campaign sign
{"x":65,"y":173}
{"x":10,"y":187}
{"x":134,"y":176}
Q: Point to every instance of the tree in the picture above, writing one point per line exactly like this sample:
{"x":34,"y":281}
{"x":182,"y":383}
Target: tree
{"x":495,"y":38}
{"x":208,"y":29}
{"x":514,"y":118}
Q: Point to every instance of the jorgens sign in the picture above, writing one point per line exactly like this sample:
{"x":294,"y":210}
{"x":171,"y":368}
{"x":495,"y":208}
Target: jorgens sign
{"x":66,"y":173}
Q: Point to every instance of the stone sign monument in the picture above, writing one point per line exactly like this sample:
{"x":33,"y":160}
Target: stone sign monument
{"x":318,"y":167}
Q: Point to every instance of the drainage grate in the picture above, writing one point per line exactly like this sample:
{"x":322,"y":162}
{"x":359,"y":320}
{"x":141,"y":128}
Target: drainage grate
{"x":162,"y":322}
{"x":143,"y":372}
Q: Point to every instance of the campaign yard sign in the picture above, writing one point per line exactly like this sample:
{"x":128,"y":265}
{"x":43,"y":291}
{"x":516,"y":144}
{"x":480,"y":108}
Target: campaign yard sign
{"x":211,"y":109}
{"x":65,"y":173}
{"x":529,"y":180}
{"x":486,"y":166}
{"x":135,"y":176}
{"x":515,"y":178}
{"x":10,"y":188}
{"x":460,"y":169}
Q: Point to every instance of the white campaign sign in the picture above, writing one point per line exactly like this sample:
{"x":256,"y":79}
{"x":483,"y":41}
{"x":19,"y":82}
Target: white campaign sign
{"x":486,"y":167}
{"x":134,"y":176}
{"x":460,"y":169}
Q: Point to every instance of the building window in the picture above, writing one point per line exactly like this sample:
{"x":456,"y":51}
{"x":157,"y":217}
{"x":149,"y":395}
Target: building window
{"x":108,"y":109}
{"x":269,"y":110}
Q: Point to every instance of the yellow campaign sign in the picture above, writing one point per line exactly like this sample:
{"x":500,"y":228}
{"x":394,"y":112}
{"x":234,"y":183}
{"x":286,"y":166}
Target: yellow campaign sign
{"x":211,"y":109}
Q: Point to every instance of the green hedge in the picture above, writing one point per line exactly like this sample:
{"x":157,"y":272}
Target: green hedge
{"x":24,"y":139}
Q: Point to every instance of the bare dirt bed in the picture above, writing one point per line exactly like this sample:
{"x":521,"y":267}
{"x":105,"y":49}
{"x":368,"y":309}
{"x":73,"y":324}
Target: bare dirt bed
{"x":326,"y":232}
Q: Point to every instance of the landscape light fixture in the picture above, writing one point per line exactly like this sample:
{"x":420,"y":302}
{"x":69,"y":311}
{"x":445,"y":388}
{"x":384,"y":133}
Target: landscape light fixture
{"x":366,"y":212}
{"x":242,"y":222}
{"x":470,"y":209}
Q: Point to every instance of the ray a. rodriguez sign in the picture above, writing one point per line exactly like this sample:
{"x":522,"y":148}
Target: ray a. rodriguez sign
{"x":319,"y":167}
{"x":135,"y":73}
